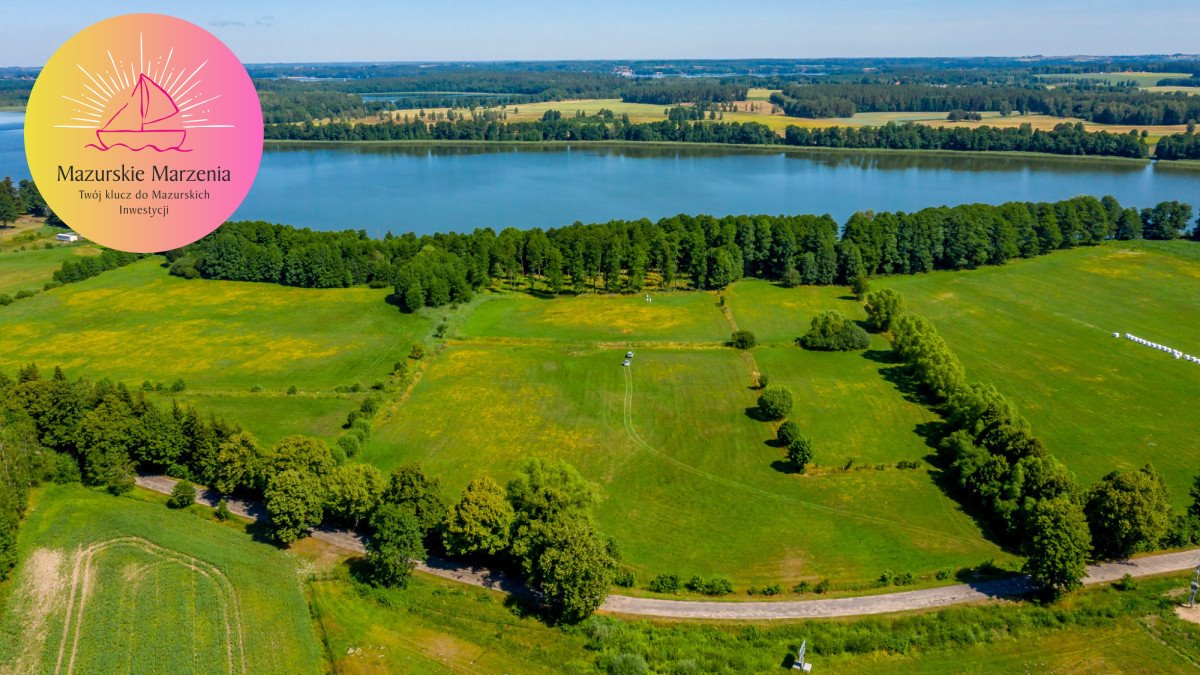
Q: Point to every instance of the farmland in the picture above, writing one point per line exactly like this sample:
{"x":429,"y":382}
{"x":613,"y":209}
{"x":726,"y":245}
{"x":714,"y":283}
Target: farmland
{"x":1143,"y":79}
{"x":109,"y":584}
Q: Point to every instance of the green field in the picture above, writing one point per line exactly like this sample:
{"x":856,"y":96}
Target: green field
{"x":110,"y":584}
{"x":669,"y":317}
{"x":690,"y":481}
{"x":222,"y":338}
{"x":1041,"y":331}
{"x":32,"y":268}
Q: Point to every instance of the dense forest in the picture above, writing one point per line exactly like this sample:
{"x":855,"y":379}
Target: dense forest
{"x":680,"y":251}
{"x":1066,"y":139}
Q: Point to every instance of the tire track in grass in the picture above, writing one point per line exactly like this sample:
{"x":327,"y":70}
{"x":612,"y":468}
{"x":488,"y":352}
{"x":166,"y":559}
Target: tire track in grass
{"x":640,"y":442}
{"x":81,"y":581}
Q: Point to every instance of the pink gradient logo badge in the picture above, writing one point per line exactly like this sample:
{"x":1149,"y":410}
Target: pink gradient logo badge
{"x":143,"y":132}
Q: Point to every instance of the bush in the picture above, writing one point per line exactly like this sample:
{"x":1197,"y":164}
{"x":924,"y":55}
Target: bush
{"x":5,"y":299}
{"x":664,"y":583}
{"x":350,"y":444}
{"x":905,"y":464}
{"x":182,"y":496}
{"x":21,"y":295}
{"x":743,"y":339}
{"x":256,"y":389}
{"x":763,"y":380}
{"x":717,"y":584}
{"x":1126,"y":583}
{"x":788,"y":432}
{"x":943,"y":574}
{"x":178,"y":385}
{"x":625,"y":578}
{"x":822,"y":586}
{"x":801,"y":587}
{"x":832,"y":331}
{"x":369,"y":407}
{"x":147,"y":385}
{"x":859,"y":286}
{"x":775,"y":403}
{"x":773,"y":589}
{"x":51,"y":285}
{"x":223,"y":511}
{"x":416,"y":353}
{"x":292,"y":390}
{"x":800,"y":452}
{"x":883,"y":307}
{"x":66,"y":469}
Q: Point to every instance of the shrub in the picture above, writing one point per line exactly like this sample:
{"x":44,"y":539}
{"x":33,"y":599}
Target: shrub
{"x":350,"y":444}
{"x":773,"y":589}
{"x":801,"y":587}
{"x":800,"y":452}
{"x":178,"y":385}
{"x":182,"y":496}
{"x":832,"y":331}
{"x":743,"y":339}
{"x":696,"y":583}
{"x":822,"y":586}
{"x":66,"y":469}
{"x":859,"y":286}
{"x":256,"y":389}
{"x":369,"y":407}
{"x":908,"y":464}
{"x":763,"y":380}
{"x":903,"y":579}
{"x":5,"y":299}
{"x":886,"y":578}
{"x":27,"y":293}
{"x":292,"y":390}
{"x":883,"y":307}
{"x":788,"y":432}
{"x":51,"y":285}
{"x":147,"y":385}
{"x":223,"y":511}
{"x":664,"y":583}
{"x":625,"y":578}
{"x":717,"y":584}
{"x":1127,"y":583}
{"x":775,"y":403}
{"x":943,"y":574}
{"x":416,"y":353}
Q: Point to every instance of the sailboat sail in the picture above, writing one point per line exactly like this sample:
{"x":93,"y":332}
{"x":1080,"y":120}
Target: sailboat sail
{"x":148,"y":119}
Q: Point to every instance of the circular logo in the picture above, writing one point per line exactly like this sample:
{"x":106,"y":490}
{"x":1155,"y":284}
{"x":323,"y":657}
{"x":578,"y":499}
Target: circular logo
{"x":143,"y":132}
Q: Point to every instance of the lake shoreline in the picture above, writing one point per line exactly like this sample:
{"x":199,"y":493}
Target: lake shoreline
{"x":732,"y":148}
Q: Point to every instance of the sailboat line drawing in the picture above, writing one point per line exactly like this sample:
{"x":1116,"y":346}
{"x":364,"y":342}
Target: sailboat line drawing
{"x":149,"y":119}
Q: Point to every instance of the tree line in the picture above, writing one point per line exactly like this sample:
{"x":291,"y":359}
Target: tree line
{"x":999,"y":466}
{"x":1064,"y":139}
{"x":539,"y":526}
{"x":682,"y":251}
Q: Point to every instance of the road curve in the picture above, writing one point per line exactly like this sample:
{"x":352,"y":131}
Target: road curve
{"x":902,"y":601}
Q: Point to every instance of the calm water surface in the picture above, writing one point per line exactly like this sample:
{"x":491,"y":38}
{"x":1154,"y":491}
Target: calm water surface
{"x":438,"y":188}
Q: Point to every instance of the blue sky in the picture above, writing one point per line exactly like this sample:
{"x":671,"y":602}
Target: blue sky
{"x":359,"y":30}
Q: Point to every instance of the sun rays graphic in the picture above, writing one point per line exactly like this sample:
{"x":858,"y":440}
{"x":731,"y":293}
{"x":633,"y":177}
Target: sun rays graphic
{"x":147,"y":103}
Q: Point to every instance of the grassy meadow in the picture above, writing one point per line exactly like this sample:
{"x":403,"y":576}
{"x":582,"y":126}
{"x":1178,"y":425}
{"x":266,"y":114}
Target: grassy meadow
{"x":1041,"y":331}
{"x":223,"y":339}
{"x":109,"y":584}
{"x":691,"y":482}
{"x":31,"y":268}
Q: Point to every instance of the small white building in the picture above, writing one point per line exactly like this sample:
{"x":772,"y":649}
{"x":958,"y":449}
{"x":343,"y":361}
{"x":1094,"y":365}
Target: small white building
{"x":70,"y":237}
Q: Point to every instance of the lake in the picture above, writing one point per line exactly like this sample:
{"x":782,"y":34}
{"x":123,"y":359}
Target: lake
{"x":431,"y":188}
